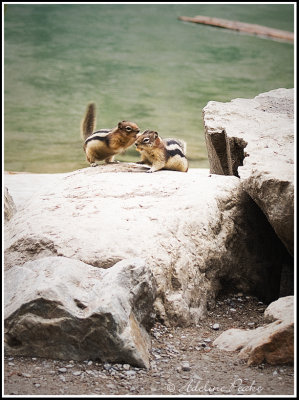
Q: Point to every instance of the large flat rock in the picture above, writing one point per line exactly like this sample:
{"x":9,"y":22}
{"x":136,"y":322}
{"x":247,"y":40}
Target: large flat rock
{"x":194,"y":231}
{"x":254,"y":139}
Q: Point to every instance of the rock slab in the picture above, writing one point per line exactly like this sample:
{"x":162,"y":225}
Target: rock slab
{"x":272,"y":343}
{"x":254,"y":139}
{"x":195,"y":231}
{"x":57,"y":307}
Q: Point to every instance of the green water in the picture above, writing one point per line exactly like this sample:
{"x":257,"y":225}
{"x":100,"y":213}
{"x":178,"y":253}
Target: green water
{"x":138,"y":62}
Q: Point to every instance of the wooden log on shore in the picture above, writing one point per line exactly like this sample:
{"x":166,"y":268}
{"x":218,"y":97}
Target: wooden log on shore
{"x":242,"y":27}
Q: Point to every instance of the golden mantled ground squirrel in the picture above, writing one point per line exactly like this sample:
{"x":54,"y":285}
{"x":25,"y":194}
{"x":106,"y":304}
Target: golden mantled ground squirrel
{"x":105,"y":143}
{"x":161,"y":153}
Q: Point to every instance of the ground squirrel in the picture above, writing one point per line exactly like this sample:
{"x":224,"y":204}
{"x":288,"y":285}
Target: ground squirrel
{"x":161,"y":153}
{"x":105,"y":143}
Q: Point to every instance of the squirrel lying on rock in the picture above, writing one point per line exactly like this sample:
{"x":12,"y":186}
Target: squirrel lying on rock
{"x":161,"y":153}
{"x":105,"y":143}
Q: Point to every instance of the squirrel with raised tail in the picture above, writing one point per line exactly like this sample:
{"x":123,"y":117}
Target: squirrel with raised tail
{"x":161,"y":153}
{"x":104,"y":144}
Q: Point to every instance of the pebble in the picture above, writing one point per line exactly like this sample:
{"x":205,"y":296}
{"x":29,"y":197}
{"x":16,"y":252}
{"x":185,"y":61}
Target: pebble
{"x":62,"y":370}
{"x":131,"y":374}
{"x":62,"y":378}
{"x":26,"y":375}
{"x":77,"y":373}
{"x":185,"y":366}
{"x":126,"y":367}
{"x":232,"y":310}
{"x":207,"y":340}
{"x":216,"y":327}
{"x":70,"y":366}
{"x":111,"y":386}
{"x":37,"y":385}
{"x":11,"y":364}
{"x":107,"y":366}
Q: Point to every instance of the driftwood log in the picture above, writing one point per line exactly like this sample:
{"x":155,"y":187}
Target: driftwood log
{"x":241,"y":27}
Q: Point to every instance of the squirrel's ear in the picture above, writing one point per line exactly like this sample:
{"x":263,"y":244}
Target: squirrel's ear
{"x":120,"y":125}
{"x":156,"y":135}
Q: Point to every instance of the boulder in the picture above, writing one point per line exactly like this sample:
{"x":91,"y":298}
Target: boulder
{"x":9,"y":205}
{"x":272,"y":343}
{"x":254,"y":139}
{"x":57,"y":307}
{"x":195,"y":231}
{"x":281,"y":309}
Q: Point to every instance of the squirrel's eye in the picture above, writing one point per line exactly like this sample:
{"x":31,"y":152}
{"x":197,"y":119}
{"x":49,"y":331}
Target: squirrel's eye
{"x":146,"y":140}
{"x":128,"y":128}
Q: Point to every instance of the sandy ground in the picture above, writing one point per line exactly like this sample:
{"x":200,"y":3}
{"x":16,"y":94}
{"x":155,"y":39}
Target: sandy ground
{"x":183,"y":362}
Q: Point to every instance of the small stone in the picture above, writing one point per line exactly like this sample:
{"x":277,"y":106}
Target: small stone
{"x":111,"y":386}
{"x":232,"y":310}
{"x":62,"y":378}
{"x":26,"y":375}
{"x":185,"y":366}
{"x":207,"y":340}
{"x":34,"y":359}
{"x":107,"y":366}
{"x":126,"y":367}
{"x":131,"y":374}
{"x":37,"y":385}
{"x":216,"y":327}
{"x":62,"y":370}
{"x":77,"y":373}
{"x":70,"y":366}
{"x":11,"y":364}
{"x":89,"y":363}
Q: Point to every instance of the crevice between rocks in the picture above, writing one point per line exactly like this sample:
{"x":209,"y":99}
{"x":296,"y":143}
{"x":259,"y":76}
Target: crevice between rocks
{"x":225,"y":154}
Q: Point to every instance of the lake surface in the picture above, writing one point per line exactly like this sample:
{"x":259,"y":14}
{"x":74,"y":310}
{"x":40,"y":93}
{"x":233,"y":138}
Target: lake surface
{"x":138,"y":62}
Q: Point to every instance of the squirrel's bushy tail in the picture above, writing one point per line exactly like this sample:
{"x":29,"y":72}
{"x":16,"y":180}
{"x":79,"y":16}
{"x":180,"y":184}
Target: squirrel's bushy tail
{"x":89,"y":121}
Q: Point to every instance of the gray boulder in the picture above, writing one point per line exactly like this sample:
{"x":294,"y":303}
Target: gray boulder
{"x":254,"y":139}
{"x":57,"y":307}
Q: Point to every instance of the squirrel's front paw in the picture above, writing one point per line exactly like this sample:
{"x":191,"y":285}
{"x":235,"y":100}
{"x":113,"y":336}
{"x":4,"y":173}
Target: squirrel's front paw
{"x":93,"y":164}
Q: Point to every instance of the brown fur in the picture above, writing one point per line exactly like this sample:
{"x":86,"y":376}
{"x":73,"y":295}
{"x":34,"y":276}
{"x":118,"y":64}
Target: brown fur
{"x":160,"y":154}
{"x":105,"y":144}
